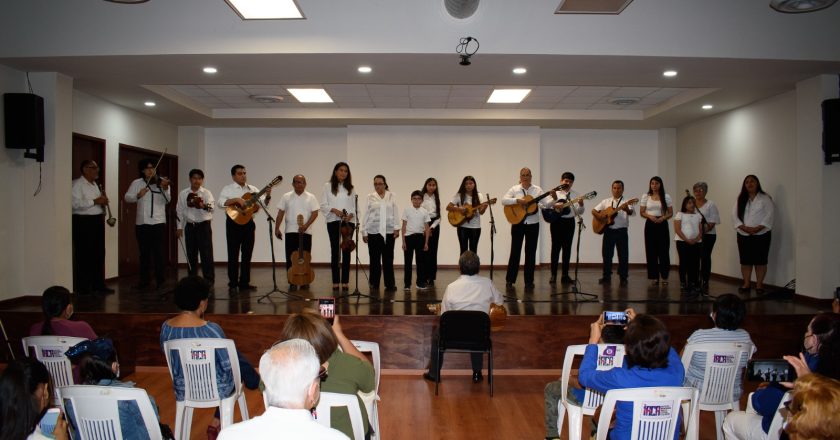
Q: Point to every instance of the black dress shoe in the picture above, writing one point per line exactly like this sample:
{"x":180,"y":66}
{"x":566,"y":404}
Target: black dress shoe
{"x":292,"y":287}
{"x":743,"y":290}
{"x":391,"y":288}
{"x":552,"y":280}
{"x":233,"y":291}
{"x":605,"y":281}
{"x":566,"y":280}
{"x":477,"y":377}
{"x":509,"y":285}
{"x":429,"y":377}
{"x":623,"y":282}
{"x":529,"y":286}
{"x":245,"y":287}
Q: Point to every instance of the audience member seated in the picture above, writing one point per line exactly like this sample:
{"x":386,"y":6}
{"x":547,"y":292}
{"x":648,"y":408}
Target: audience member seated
{"x":649,"y":361}
{"x":191,"y":296}
{"x":98,"y":365}
{"x":812,"y":414}
{"x":58,"y":309}
{"x":349,"y":371}
{"x":292,"y":377}
{"x":728,"y":312}
{"x":469,"y":292}
{"x":24,"y":397}
{"x":822,"y":355}
{"x":610,"y":334}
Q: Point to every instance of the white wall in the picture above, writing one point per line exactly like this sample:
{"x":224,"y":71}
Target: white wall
{"x":757,"y":139}
{"x":118,"y":125}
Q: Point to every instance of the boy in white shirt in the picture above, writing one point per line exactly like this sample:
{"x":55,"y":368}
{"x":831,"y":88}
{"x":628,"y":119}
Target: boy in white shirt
{"x":415,"y":233}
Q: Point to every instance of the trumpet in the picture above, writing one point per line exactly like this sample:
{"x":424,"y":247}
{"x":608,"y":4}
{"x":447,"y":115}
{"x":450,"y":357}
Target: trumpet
{"x":111,"y":219}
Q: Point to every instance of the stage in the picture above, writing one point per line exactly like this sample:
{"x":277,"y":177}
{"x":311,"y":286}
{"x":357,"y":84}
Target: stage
{"x":541,"y":321}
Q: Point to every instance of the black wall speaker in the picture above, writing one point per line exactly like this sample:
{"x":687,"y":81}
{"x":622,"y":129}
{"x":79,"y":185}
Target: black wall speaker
{"x":24,"y":116}
{"x":831,"y":130}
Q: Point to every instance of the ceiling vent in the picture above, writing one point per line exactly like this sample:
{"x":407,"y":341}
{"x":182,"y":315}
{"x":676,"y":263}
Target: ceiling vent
{"x":623,"y":101}
{"x":800,"y":6}
{"x":267,"y":99}
{"x":591,"y":6}
{"x":461,"y":9}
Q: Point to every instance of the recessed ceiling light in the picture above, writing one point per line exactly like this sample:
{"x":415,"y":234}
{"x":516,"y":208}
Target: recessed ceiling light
{"x":265,"y":10}
{"x":669,"y":73}
{"x":149,"y":104}
{"x":310,"y":95}
{"x":519,"y":70}
{"x":624,"y":101}
{"x":508,"y":96}
{"x":210,"y":69}
{"x":365,"y":69}
{"x":708,"y":106}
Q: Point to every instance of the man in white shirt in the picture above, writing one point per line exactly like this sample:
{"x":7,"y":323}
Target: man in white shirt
{"x":240,"y":238}
{"x":615,"y":235}
{"x":292,"y":377}
{"x":294,"y":204}
{"x":563,"y":227}
{"x":528,"y":229}
{"x":151,"y":193}
{"x":89,"y":232}
{"x":194,"y":213}
{"x":469,"y":292}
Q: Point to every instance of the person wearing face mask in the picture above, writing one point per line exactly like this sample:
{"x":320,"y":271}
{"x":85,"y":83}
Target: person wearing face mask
{"x":24,"y":398}
{"x":57,"y":308}
{"x":820,"y":354}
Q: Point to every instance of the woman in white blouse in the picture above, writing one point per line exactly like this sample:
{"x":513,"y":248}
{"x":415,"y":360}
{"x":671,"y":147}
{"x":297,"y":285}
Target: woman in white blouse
{"x":752,"y":217}
{"x":657,"y":208}
{"x":338,"y":202}
{"x":688,"y":225}
{"x":470,"y":231}
{"x":710,"y":212}
{"x":380,"y":229}
{"x":431,"y":201}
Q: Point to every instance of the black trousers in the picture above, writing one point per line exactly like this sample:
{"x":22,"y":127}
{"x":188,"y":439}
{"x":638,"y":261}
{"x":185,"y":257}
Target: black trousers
{"x":706,"y":256}
{"x":615,"y":239}
{"x":689,"y":262}
{"x":562,"y":236}
{"x":240,"y":239}
{"x":477,"y":359}
{"x":150,"y":240}
{"x":381,"y":251}
{"x":468,"y":238}
{"x":531,"y":235}
{"x":340,"y":268}
{"x":657,"y":249}
{"x":431,"y":255}
{"x":88,"y":253}
{"x":292,"y":244}
{"x":414,"y":246}
{"x":198,"y":238}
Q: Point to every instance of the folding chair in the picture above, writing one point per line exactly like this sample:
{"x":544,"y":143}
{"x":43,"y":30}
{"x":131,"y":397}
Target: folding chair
{"x":656,"y":412}
{"x":49,"y":350}
{"x":331,"y":400}
{"x":465,"y":331}
{"x":94,"y":412}
{"x":371,"y":402}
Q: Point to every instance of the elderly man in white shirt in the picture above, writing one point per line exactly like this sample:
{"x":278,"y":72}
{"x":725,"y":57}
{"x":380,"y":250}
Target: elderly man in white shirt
{"x":89,"y":232}
{"x":151,"y":193}
{"x":528,"y":230}
{"x":469,"y":292}
{"x":294,"y":204}
{"x":292,"y":376}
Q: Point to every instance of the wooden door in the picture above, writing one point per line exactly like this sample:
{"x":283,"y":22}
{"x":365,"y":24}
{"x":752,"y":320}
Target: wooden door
{"x":129,"y":254}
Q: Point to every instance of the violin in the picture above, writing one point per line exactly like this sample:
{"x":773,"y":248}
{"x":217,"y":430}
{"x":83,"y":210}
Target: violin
{"x":195,"y":201}
{"x":347,"y":228}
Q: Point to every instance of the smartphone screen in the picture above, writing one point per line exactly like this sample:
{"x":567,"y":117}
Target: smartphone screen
{"x":615,"y":318}
{"x":770,"y":370}
{"x":327,"y":308}
{"x":47,"y":423}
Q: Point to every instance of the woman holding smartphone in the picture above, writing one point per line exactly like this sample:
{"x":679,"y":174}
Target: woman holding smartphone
{"x":24,"y":398}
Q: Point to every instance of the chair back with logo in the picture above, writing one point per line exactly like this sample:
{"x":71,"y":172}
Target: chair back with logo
{"x":656,"y":411}
{"x":609,"y":356}
{"x":49,"y":350}
{"x":94,"y":412}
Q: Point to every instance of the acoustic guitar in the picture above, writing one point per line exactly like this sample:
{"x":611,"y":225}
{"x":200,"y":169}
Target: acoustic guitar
{"x":301,"y":271}
{"x":456,"y":218}
{"x":243,"y":214}
{"x":600,"y":224}
{"x":515,"y":214}
{"x":555,"y":213}
{"x":498,"y":315}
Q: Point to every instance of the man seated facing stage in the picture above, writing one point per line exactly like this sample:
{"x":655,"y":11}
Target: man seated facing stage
{"x":469,"y":292}
{"x":292,"y":376}
{"x":294,"y":204}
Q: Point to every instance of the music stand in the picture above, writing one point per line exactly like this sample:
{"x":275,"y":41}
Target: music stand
{"x":356,"y":292}
{"x":587,"y":297}
{"x":267,"y":295}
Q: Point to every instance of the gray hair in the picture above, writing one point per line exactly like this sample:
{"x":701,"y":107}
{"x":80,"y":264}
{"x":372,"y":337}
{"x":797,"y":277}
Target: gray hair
{"x":701,"y":185}
{"x":469,"y":263}
{"x":288,"y":370}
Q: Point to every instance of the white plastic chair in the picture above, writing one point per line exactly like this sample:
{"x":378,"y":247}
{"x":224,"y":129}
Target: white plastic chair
{"x":331,"y":400}
{"x":198,"y":365}
{"x":725,"y":361}
{"x":655,"y":411}
{"x":777,"y":424}
{"x":610,"y":355}
{"x":49,"y":350}
{"x":371,"y":402}
{"x":96,"y":414}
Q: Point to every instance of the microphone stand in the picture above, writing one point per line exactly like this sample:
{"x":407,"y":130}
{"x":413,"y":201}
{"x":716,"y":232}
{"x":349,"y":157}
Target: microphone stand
{"x":267,"y":295}
{"x":492,"y":236}
{"x":356,"y":292}
{"x":587,"y":297}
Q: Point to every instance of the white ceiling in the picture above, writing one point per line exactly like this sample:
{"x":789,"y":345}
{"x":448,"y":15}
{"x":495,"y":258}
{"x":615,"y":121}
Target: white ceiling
{"x":727,"y":53}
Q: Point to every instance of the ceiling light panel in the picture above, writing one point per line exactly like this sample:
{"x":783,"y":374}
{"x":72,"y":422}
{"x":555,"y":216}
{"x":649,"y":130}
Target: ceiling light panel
{"x":310,"y":95}
{"x":266,"y":9}
{"x":508,"y":96}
